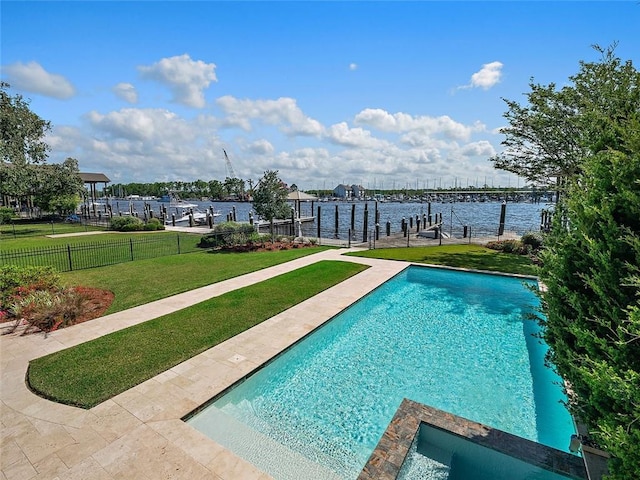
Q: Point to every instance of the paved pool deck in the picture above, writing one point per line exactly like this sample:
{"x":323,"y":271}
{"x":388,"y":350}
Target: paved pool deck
{"x":139,"y":434}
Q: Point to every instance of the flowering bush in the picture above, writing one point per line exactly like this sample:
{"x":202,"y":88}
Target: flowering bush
{"x":33,"y":297}
{"x":13,"y":278}
{"x":45,"y":310}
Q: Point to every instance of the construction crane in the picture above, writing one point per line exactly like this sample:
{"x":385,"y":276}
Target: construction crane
{"x":230,"y":171}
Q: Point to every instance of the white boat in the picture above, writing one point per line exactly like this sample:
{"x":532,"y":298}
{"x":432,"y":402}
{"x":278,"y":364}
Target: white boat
{"x":184,"y":217}
{"x":183,"y":213}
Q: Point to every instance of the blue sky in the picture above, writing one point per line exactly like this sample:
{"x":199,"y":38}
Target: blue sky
{"x":376,"y":93}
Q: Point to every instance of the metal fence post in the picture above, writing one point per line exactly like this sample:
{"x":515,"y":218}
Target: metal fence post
{"x":69,"y":257}
{"x":178,"y":236}
{"x":131,"y":248}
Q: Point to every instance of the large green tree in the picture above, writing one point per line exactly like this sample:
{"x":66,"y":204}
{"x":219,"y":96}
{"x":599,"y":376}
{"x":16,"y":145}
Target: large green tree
{"x":24,"y":173}
{"x":21,"y":144}
{"x":270,"y":197}
{"x":591,"y":260}
{"x":547,"y":138}
{"x":21,"y":130}
{"x":57,"y":187}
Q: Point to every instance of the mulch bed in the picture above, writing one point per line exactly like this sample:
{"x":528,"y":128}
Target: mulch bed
{"x":97,"y":302}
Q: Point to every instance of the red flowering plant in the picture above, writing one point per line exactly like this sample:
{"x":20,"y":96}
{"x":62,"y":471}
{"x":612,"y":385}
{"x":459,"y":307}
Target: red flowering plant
{"x":32,"y":297}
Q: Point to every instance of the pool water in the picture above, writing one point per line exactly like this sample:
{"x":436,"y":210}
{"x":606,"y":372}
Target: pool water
{"x":460,"y":342}
{"x":440,"y":455}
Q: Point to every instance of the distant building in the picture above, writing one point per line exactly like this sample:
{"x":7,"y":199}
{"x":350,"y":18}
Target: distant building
{"x":349,"y":192}
{"x":358,"y":192}
{"x":342,"y":191}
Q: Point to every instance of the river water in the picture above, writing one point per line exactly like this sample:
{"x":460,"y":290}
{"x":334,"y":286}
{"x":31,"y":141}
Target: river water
{"x":480,"y":218}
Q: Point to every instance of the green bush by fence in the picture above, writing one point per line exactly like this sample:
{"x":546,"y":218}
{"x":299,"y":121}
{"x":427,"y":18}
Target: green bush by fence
{"x":81,"y":256}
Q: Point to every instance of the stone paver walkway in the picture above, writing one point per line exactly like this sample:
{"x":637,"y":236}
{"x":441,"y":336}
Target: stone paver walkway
{"x":139,"y":434}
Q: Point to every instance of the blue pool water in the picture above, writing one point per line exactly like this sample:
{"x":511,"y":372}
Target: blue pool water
{"x":457,"y":341}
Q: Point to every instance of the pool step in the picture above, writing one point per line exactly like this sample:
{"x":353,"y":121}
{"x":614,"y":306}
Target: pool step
{"x":265,"y":453}
{"x":300,"y":433}
{"x":431,"y":463}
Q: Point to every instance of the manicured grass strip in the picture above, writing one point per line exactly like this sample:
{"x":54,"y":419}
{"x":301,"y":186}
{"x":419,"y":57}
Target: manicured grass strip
{"x":92,"y":372}
{"x":140,"y":282}
{"x":461,"y":256}
{"x":187,"y":240}
{"x":23,"y":230}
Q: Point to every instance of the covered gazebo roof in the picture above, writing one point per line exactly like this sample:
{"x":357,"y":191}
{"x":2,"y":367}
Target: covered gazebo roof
{"x":300,"y":196}
{"x":94,"y":177}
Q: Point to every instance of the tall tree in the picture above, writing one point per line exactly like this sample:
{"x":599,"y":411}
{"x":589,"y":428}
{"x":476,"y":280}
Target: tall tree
{"x":56,"y":186}
{"x":270,"y":197}
{"x":21,"y":130}
{"x":234,"y":187}
{"x":21,"y":144}
{"x":591,"y":260}
{"x":547,"y":138}
{"x":216,"y":189}
{"x":541,"y":141}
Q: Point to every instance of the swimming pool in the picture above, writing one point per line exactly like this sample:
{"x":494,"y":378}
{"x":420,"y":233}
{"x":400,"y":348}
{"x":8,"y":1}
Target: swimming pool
{"x":455,"y":340}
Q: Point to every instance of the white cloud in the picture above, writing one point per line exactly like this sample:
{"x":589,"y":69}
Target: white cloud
{"x":488,"y":76}
{"x":419,"y":125}
{"x":261,"y":147}
{"x":186,"y":78}
{"x":353,"y":66}
{"x":283,"y":113}
{"x":383,"y":120}
{"x":141,"y":125}
{"x":126,"y":92}
{"x":310,"y":160}
{"x":32,"y":77}
{"x":477,"y":149}
{"x":341,"y":134}
{"x":135,"y":144}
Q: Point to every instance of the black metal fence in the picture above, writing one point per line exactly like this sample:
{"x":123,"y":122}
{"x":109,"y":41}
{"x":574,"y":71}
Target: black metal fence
{"x":25,"y":228}
{"x":99,"y":254}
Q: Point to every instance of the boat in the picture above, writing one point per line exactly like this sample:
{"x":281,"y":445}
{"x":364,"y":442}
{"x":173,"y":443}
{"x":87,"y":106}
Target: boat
{"x":183,"y":213}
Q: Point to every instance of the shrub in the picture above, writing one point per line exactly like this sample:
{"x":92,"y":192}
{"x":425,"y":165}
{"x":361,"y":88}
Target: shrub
{"x":126,"y":223}
{"x":229,"y":234}
{"x":47,"y":310}
{"x":509,"y":246}
{"x":153,"y":224}
{"x":13,"y":278}
{"x":532,"y":239}
{"x":34,"y":295}
{"x":6,"y":214}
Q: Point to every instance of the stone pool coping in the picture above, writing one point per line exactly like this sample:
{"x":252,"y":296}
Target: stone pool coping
{"x":386,"y":460}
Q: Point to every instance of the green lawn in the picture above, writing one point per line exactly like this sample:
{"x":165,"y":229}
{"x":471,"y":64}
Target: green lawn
{"x":461,"y":256}
{"x":9,"y":242}
{"x":140,"y":282}
{"x":95,"y":371}
{"x":20,"y":231}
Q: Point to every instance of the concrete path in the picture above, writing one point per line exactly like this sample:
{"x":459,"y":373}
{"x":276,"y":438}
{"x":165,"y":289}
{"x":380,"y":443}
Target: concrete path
{"x":139,"y":434}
